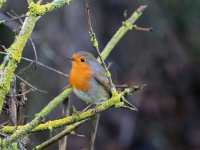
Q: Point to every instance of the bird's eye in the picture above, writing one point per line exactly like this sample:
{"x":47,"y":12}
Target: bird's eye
{"x":83,"y":59}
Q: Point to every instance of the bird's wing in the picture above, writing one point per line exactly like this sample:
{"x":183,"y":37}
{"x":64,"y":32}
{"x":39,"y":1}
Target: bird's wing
{"x":101,"y":78}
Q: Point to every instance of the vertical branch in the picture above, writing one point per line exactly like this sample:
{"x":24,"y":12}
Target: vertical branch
{"x":95,"y":44}
{"x":65,"y":111}
{"x":2,"y":2}
{"x":13,"y":103}
{"x":15,"y":52}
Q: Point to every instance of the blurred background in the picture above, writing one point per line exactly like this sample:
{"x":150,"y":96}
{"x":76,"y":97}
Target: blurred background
{"x":166,"y":59}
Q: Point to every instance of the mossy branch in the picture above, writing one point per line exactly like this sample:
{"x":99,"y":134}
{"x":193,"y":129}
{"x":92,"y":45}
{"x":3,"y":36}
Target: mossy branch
{"x":76,"y":117}
{"x":36,"y":9}
{"x":2,"y":2}
{"x":14,"y":56}
{"x":69,"y":129}
{"x":24,"y":130}
{"x":126,"y":26}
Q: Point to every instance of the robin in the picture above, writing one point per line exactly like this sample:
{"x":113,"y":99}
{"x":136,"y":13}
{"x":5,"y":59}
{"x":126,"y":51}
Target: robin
{"x":89,"y":82}
{"x":88,"y":78}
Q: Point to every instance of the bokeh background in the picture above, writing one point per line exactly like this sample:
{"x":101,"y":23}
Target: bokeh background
{"x":166,"y":59}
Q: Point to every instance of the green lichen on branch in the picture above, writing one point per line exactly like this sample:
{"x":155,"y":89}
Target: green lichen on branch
{"x":126,"y":26}
{"x":15,"y":52}
{"x":24,"y":130}
{"x":57,"y":137}
{"x":36,"y":9}
{"x":115,"y":100}
{"x":2,"y":2}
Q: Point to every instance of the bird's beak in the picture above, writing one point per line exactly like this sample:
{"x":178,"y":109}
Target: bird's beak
{"x":69,"y":58}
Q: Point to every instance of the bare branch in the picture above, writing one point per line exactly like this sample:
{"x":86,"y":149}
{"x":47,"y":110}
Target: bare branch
{"x":30,"y":85}
{"x":95,"y":44}
{"x":41,"y":64}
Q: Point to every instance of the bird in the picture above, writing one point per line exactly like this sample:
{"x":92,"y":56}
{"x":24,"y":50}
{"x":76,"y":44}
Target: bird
{"x":88,"y":79}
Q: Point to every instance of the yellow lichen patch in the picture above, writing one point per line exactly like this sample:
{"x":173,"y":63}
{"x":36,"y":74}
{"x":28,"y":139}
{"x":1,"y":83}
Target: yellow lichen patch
{"x":36,"y":9}
{"x":39,"y":10}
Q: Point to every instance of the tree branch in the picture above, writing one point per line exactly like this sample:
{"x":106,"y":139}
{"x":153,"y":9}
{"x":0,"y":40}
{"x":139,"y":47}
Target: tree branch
{"x":14,"y":57}
{"x":76,"y":117}
{"x":24,"y":130}
{"x":37,"y":9}
{"x":57,"y":137}
{"x":126,"y":26}
{"x":2,"y":2}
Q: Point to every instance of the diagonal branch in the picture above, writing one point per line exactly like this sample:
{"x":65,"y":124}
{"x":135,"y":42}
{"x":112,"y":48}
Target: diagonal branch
{"x":60,"y":135}
{"x":76,"y":117}
{"x":126,"y":26}
{"x":38,"y":118}
{"x":14,"y":57}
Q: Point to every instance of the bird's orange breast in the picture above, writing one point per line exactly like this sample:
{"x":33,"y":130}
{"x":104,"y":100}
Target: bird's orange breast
{"x":80,"y":76}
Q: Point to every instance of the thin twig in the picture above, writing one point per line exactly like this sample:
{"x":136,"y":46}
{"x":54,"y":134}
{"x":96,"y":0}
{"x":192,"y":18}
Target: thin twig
{"x":62,"y":144}
{"x":25,"y":68}
{"x":34,"y":50}
{"x":60,"y":135}
{"x":45,"y":66}
{"x":13,"y":103}
{"x":142,"y":28}
{"x":30,"y":85}
{"x":13,"y":18}
{"x":95,"y":44}
{"x":41,"y":64}
{"x":22,"y":94}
